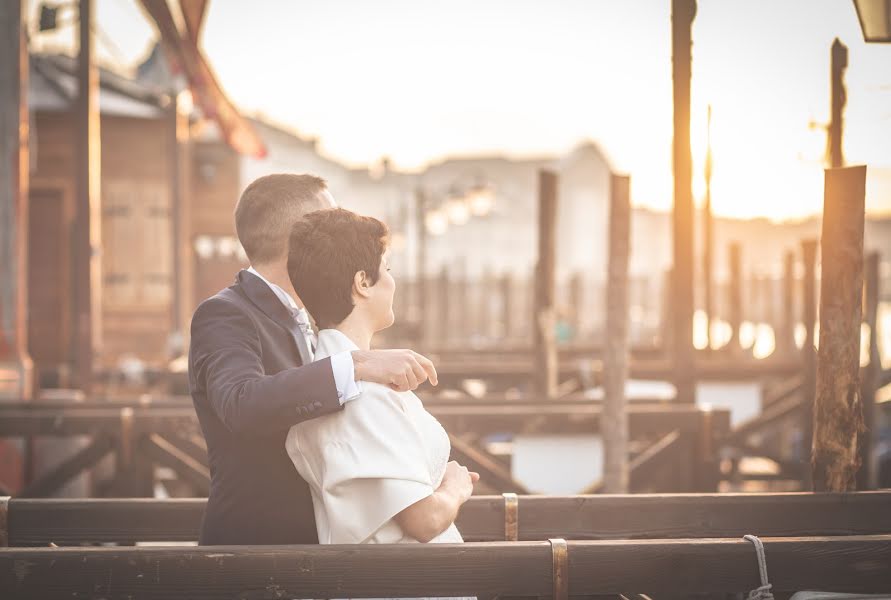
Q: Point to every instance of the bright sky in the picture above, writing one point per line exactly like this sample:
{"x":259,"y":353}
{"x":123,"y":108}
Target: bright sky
{"x":419,"y":80}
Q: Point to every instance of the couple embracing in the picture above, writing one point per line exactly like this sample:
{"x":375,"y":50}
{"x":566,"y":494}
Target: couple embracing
{"x":315,"y":438}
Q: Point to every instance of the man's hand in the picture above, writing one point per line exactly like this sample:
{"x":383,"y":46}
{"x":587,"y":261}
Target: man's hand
{"x":402,"y":370}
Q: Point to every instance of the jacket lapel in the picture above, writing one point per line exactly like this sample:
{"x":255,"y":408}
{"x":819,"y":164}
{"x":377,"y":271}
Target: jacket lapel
{"x":268,"y":303}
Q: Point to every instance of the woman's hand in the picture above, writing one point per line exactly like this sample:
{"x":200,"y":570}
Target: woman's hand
{"x":427,"y":518}
{"x":459,"y":481}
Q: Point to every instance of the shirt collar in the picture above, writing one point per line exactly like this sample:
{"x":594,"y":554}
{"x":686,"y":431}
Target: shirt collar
{"x":281,"y":294}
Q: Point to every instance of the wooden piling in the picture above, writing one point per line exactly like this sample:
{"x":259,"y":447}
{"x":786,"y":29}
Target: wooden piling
{"x":785,"y":338}
{"x":421,"y":297}
{"x":682,"y":15}
{"x":808,"y":351}
{"x":445,"y":308}
{"x":616,"y":356}
{"x":866,"y":476}
{"x":16,"y":368}
{"x":576,"y":300}
{"x":838,"y":99}
{"x":505,"y":290}
{"x":545,"y":343}
{"x":735,"y":292}
{"x":838,"y":412}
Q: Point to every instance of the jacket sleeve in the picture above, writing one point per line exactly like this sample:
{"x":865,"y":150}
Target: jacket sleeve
{"x":226,"y":361}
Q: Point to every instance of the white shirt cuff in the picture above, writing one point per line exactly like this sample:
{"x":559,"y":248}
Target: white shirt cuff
{"x":344,"y":377}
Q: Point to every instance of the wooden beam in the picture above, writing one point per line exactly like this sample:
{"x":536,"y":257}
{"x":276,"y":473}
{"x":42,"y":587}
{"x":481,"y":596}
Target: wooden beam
{"x":808,"y":350}
{"x":867,"y":476}
{"x":682,"y":14}
{"x":544,"y":322}
{"x":161,"y":451}
{"x":37,"y":522}
{"x":480,"y":418}
{"x":492,"y":473}
{"x":838,"y":99}
{"x":786,"y":330}
{"x":735,"y":292}
{"x":87,"y":277}
{"x":838,"y":411}
{"x":852,"y":564}
{"x":59,"y":475}
{"x":614,"y":427}
{"x":16,"y":368}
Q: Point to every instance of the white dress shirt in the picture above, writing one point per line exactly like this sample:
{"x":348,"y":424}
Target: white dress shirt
{"x":341,"y":363}
{"x":368,"y":462}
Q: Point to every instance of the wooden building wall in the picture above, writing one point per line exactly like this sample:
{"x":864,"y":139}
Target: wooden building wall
{"x":137,"y":241}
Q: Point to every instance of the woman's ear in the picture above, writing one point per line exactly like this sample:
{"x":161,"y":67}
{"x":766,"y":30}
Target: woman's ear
{"x":361,"y":285}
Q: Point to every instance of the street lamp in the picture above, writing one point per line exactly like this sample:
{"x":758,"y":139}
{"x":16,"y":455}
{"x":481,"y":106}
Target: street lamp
{"x":481,"y":200}
{"x":457,"y":209}
{"x":875,"y":20}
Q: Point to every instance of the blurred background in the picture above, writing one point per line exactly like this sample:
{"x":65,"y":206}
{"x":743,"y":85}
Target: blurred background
{"x":438,"y":118}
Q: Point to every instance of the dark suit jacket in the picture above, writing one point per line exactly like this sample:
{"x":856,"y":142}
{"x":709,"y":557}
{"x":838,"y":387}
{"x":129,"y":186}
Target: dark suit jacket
{"x":249,"y":387}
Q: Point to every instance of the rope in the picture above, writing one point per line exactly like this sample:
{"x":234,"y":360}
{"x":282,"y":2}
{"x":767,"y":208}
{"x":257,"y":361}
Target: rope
{"x":763,"y":592}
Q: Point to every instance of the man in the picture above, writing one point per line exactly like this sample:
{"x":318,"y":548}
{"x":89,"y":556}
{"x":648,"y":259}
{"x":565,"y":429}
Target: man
{"x":252,"y":377}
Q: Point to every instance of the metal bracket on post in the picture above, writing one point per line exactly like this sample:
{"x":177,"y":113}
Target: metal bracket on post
{"x":4,"y":521}
{"x":560,"y":558}
{"x":511,"y":517}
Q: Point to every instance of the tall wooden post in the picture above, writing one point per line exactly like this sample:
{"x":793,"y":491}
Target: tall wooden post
{"x":866,"y":476}
{"x":545,"y":342}
{"x":808,"y":350}
{"x":786,"y":329}
{"x":421,"y":265}
{"x":838,"y":99}
{"x":179,"y":156}
{"x":838,"y":411}
{"x":708,"y":242}
{"x":87,"y":225}
{"x":16,"y":368}
{"x":506,"y":286}
{"x":616,"y":352}
{"x":682,"y":14}
{"x":576,"y":303}
{"x":445,"y":308}
{"x":735,"y":291}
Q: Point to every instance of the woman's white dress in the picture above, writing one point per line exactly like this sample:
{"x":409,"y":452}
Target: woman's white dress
{"x":365,"y":464}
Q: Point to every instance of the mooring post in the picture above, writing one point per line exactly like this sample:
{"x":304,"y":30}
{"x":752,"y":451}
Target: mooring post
{"x":838,"y":411}
{"x":545,"y":287}
{"x":735,"y":292}
{"x":866,"y":476}
{"x":445,"y":308}
{"x":505,"y":288}
{"x":809,"y":353}
{"x":614,"y":422}
{"x":786,"y":329}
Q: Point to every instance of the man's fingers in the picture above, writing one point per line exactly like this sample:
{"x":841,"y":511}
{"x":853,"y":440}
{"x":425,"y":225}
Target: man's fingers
{"x":418,"y":371}
{"x":399,"y":383}
{"x":474,"y":476}
{"x":427,"y":365}
{"x":410,"y":379}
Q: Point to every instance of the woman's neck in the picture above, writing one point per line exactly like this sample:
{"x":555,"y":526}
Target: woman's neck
{"x":357,"y":328}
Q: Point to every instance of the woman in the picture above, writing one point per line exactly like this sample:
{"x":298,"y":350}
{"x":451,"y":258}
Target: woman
{"x":379,"y":470}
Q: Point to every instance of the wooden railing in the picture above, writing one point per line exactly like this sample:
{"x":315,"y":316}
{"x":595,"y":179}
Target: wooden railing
{"x":36,"y":522}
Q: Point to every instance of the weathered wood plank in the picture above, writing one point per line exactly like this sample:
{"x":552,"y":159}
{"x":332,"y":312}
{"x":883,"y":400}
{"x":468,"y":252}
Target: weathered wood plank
{"x":838,"y":409}
{"x":545,"y":318}
{"x":60,"y":474}
{"x":638,"y":516}
{"x":410,"y":570}
{"x":456,"y":418}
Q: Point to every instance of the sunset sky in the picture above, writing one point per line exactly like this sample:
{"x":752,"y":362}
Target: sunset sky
{"x":418,"y":81}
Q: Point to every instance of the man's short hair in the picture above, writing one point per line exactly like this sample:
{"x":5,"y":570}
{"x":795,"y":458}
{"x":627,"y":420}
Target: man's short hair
{"x":326,"y":250}
{"x":269,"y":207}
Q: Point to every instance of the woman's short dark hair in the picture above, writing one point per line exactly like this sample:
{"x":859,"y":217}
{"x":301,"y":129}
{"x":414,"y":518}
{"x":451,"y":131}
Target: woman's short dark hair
{"x":326,"y":250}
